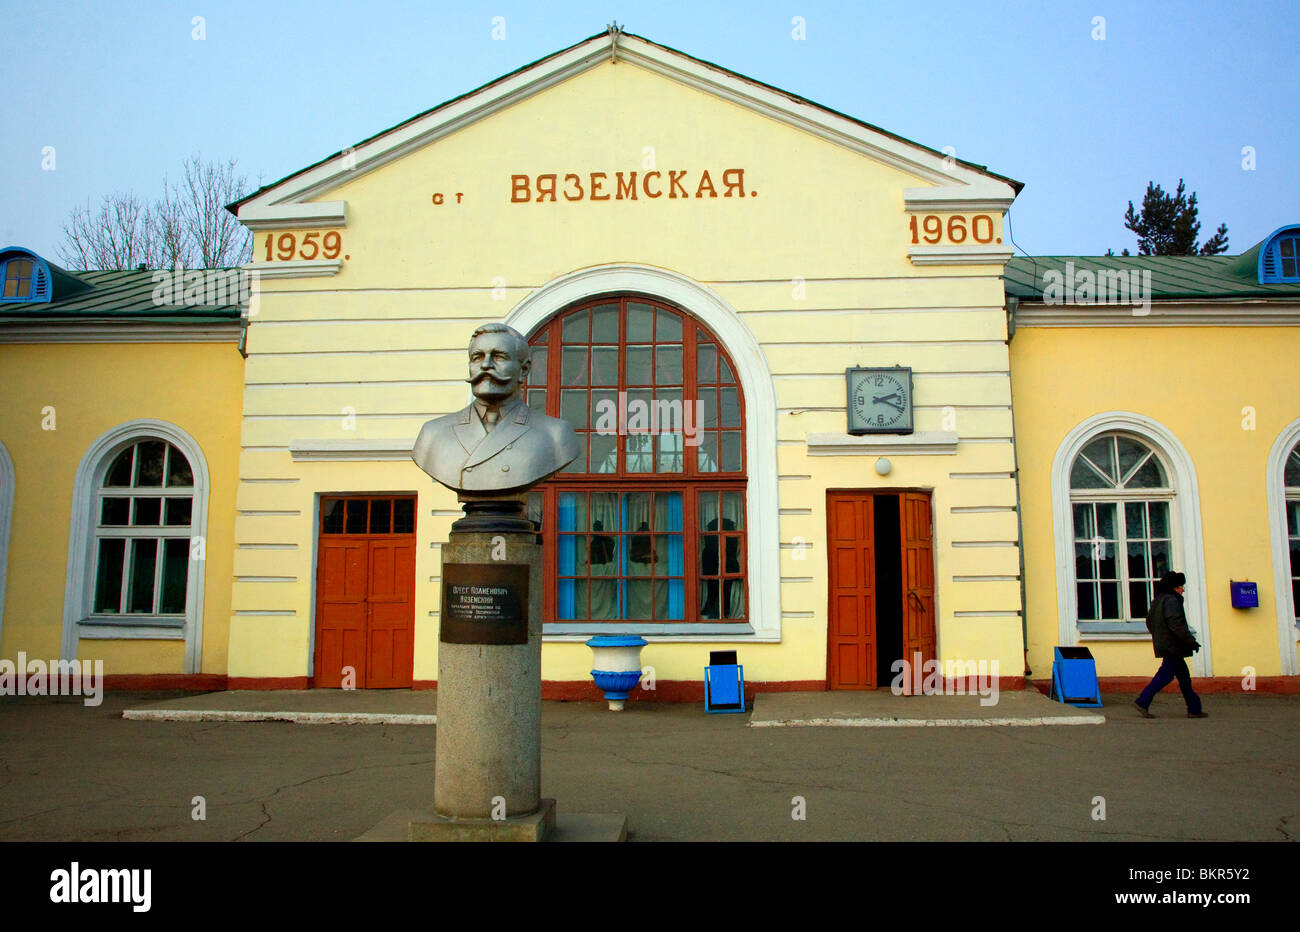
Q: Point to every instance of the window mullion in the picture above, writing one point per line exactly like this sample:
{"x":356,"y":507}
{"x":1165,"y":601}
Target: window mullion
{"x":156,"y":604}
{"x":620,"y":439}
{"x":1121,"y":562}
{"x":690,"y":389}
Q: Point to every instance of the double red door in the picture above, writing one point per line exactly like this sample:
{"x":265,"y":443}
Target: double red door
{"x":852,"y":635}
{"x":365,"y":593}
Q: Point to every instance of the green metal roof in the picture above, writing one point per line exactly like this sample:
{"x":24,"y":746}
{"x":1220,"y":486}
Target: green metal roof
{"x":1172,"y":277}
{"x":125,"y":295}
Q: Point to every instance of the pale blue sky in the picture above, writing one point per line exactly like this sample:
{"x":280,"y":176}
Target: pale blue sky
{"x":124,"y":93}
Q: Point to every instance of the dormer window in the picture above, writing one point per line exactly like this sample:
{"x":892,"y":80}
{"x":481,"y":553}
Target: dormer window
{"x":18,"y":275}
{"x":26,"y":278}
{"x":1279,"y":259}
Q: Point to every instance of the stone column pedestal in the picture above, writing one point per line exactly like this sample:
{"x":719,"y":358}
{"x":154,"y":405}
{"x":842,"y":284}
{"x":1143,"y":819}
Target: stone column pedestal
{"x":489,"y":741}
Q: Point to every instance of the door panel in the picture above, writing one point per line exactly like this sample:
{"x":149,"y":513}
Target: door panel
{"x":341,"y":611}
{"x":918,"y":580}
{"x":851,"y":628}
{"x":390,"y":653}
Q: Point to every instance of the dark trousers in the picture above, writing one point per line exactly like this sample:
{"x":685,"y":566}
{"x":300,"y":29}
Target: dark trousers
{"x":1171,"y":668}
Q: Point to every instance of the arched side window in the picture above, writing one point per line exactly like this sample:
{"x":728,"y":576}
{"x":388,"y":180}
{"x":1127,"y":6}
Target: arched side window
{"x":144,"y":509}
{"x":1129,"y":551}
{"x":650,"y":519}
{"x":1291,"y":486}
{"x":137,"y":541}
{"x":1120,"y":504}
{"x":1283,"y":479}
{"x":6,"y":519}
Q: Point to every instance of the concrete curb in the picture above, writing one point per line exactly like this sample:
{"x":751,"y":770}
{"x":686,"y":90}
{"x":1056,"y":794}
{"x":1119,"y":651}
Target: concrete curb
{"x":930,"y":722}
{"x":298,"y":718}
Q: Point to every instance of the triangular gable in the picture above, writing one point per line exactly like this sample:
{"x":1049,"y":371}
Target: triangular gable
{"x":957,"y":185}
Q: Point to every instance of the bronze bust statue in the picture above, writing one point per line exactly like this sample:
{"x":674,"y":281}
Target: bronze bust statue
{"x":496,"y":445}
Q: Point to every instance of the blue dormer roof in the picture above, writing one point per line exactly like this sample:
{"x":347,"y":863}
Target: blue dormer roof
{"x":26,"y":278}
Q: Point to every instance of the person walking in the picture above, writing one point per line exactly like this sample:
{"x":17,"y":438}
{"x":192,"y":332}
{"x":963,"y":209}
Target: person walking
{"x":1173,"y":643}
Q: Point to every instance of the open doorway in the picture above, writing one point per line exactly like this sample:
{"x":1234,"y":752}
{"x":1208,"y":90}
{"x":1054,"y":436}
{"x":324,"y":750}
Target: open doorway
{"x":881,"y":606}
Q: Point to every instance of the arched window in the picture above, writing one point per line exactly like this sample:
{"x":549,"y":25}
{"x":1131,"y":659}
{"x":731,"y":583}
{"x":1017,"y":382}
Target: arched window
{"x":1291,"y":484}
{"x":6,"y":516}
{"x":1121,"y":500}
{"x":650,"y":519}
{"x":137,"y":539}
{"x":144,"y":508}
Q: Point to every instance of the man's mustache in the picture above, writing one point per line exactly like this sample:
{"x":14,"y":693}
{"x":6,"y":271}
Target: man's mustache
{"x":475,"y":379}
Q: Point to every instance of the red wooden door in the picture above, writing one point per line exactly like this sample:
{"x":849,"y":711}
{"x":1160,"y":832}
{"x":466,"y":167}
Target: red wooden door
{"x":851,"y":625}
{"x":365,"y":593}
{"x":341,"y":610}
{"x":918,"y":581}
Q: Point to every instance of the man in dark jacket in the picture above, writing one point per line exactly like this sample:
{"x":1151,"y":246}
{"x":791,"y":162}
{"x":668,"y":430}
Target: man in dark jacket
{"x":1172,"y":642}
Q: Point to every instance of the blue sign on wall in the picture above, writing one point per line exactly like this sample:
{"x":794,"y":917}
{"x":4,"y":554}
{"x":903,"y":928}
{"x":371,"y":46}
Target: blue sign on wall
{"x":1244,"y":594}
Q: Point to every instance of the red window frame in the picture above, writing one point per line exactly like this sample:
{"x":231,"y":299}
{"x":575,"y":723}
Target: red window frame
{"x":691,"y":481}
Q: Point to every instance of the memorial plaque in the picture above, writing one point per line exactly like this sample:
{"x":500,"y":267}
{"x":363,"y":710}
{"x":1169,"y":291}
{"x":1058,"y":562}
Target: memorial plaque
{"x":484,"y":603}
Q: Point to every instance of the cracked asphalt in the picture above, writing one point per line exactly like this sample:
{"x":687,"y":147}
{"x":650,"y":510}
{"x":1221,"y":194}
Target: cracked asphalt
{"x":72,"y":773}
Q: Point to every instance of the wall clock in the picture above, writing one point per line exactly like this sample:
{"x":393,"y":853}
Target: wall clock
{"x":879,"y":400}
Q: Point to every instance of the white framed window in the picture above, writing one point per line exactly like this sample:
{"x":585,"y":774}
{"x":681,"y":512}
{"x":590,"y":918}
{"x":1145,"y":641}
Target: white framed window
{"x":1283,"y":478}
{"x":136,"y":544}
{"x":1132,"y":487}
{"x":144,"y":507}
{"x":761,"y":558}
{"x":6,"y":517}
{"x":1291,"y":489}
{"x":1121,"y":507}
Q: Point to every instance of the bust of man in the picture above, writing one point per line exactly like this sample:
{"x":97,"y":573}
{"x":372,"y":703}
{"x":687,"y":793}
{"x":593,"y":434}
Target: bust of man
{"x":496,"y":445}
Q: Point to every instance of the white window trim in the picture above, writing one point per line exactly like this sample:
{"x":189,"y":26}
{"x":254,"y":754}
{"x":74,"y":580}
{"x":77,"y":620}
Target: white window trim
{"x":6,"y":520}
{"x":79,"y":586}
{"x":762,"y":508}
{"x":1275,"y":477}
{"x":1188,"y":552}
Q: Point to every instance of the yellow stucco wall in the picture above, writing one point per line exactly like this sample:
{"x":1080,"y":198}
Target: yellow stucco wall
{"x":1197,"y":383}
{"x":92,"y":389}
{"x":385,"y":338}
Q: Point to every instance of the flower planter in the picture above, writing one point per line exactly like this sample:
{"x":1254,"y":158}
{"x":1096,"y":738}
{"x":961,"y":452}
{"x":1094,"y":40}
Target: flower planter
{"x":616,"y":666}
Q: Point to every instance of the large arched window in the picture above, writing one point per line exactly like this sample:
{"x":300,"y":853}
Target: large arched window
{"x":1283,"y":478}
{"x":1291,"y":485}
{"x":1121,"y":502}
{"x":136,"y":543}
{"x":649,"y":521}
{"x":144,"y":508}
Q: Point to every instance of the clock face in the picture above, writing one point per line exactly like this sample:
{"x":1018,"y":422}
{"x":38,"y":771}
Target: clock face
{"x":880,"y":401}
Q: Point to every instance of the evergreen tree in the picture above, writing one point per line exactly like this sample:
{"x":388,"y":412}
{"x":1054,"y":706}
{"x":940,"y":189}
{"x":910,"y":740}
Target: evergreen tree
{"x":1167,"y":225}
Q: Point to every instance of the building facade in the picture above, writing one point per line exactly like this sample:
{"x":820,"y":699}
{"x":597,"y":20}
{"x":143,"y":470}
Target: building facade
{"x":696,"y":259}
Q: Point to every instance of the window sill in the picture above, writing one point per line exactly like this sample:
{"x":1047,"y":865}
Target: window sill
{"x":152,"y":627}
{"x":575,"y":631}
{"x":1113,"y":631}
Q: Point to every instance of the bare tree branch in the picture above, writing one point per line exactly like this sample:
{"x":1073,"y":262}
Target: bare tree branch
{"x":187,"y":227}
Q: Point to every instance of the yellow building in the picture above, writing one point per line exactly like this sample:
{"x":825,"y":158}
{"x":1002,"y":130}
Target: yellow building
{"x":118,"y":461}
{"x":790,"y":342}
{"x":1157,"y":422}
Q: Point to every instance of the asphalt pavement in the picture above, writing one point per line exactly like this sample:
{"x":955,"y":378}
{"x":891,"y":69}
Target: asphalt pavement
{"x":74,"y":773}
